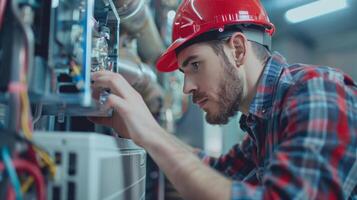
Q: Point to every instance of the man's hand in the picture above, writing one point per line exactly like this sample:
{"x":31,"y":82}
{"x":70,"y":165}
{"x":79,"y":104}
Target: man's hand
{"x":131,"y":118}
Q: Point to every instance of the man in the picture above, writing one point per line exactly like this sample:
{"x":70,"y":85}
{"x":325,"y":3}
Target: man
{"x":301,"y":120}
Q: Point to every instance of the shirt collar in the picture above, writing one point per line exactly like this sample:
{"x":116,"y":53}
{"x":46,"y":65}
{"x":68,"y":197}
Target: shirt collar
{"x":262,"y":102}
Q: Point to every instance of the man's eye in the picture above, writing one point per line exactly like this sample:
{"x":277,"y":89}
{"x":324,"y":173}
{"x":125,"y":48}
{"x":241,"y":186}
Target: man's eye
{"x":195,"y":66}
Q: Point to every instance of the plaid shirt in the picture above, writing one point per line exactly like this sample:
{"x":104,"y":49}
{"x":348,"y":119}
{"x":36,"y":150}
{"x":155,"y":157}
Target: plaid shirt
{"x":301,"y":140}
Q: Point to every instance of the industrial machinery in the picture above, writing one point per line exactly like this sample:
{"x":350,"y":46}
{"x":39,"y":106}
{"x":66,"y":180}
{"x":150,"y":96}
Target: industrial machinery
{"x":94,"y":166}
{"x":48,"y":49}
{"x":83,"y":37}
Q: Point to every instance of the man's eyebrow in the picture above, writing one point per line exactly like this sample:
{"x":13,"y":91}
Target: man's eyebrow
{"x":185,"y":63}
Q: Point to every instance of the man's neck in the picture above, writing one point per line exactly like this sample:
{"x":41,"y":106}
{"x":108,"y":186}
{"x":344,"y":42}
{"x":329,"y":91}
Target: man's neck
{"x":253,"y":71}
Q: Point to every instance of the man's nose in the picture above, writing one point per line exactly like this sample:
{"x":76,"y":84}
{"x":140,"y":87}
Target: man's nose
{"x":189,"y":86}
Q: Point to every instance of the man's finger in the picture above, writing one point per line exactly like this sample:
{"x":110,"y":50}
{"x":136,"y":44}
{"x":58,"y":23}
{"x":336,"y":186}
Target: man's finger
{"x":96,"y":92}
{"x":120,"y":79}
{"x":117,"y":103}
{"x":112,"y":83}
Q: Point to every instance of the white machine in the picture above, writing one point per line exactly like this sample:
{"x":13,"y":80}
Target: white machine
{"x":94,"y":166}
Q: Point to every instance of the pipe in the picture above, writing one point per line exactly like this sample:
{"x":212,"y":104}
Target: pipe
{"x":137,"y":20}
{"x":142,"y":78}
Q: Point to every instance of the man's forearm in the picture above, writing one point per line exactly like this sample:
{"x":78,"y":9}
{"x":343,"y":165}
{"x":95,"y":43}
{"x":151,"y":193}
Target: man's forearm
{"x":184,"y":145}
{"x":188,"y":174}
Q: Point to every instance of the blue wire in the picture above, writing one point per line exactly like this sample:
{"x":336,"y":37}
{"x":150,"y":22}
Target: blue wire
{"x":11,"y":172}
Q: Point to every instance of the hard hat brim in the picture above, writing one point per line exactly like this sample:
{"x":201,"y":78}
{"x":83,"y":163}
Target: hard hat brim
{"x":168,"y":60}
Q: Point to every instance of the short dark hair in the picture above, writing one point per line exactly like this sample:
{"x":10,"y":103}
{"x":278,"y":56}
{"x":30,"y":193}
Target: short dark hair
{"x":260,"y":51}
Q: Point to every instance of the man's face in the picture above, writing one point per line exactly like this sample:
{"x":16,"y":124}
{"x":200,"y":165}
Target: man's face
{"x":214,"y":82}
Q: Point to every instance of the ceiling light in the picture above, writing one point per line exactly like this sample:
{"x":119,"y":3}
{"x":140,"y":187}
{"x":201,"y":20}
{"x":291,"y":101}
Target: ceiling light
{"x":314,"y":9}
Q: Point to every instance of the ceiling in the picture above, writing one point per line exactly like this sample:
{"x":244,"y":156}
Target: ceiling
{"x":317,"y":31}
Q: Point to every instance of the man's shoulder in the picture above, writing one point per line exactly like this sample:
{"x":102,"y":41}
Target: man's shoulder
{"x":300,"y":73}
{"x":305,"y":80}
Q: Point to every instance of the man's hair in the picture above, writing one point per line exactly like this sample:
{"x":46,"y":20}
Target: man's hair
{"x":260,"y":51}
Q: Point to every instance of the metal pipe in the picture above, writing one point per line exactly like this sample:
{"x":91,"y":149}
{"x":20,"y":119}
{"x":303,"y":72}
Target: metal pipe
{"x":143,"y":79}
{"x":137,"y":20}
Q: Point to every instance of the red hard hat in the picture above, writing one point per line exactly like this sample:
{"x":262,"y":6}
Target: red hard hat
{"x":195,"y":17}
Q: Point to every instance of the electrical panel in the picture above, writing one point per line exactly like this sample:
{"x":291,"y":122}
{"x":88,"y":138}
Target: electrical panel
{"x":82,"y":37}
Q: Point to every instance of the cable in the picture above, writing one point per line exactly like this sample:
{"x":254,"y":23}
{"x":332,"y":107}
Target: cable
{"x":48,"y":161}
{"x":26,"y":122}
{"x":26,"y":126}
{"x":34,"y":171}
{"x":27,"y":184}
{"x":2,"y":11}
{"x":23,"y":166}
{"x":27,"y":52}
{"x":10,"y":194}
{"x":11,"y":172}
{"x":25,"y":115}
{"x":37,"y":115}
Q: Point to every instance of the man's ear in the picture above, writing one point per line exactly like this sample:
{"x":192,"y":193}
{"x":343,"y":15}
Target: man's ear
{"x":238,"y":42}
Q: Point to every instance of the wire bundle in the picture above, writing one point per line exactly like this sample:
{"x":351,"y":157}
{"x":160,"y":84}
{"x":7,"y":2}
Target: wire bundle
{"x":18,"y":90}
{"x":22,"y":166}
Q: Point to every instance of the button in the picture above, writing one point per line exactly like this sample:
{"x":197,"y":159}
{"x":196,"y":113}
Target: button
{"x":71,"y":190}
{"x":72,"y":164}
{"x":56,"y":193}
{"x":58,"y":158}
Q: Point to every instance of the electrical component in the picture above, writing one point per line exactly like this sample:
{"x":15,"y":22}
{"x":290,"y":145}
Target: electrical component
{"x":100,"y":50}
{"x":83,"y":36}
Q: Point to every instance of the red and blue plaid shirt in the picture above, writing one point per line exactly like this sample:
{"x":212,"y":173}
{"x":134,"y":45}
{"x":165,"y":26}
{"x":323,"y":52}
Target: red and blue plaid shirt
{"x":301,"y":140}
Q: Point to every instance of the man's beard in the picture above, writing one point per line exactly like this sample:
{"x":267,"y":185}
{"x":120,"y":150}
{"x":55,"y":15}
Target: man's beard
{"x":230,"y":94}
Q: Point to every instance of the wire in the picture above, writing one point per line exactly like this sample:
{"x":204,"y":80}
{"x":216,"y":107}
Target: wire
{"x":27,"y":130}
{"x":11,"y":172}
{"x":48,"y":161}
{"x":23,"y":166}
{"x":2,"y":11}
{"x":26,"y":123}
{"x":27,"y":184}
{"x":26,"y":57}
{"x":20,"y":92}
{"x":34,"y":171}
{"x":37,"y":115}
{"x":25,"y":115}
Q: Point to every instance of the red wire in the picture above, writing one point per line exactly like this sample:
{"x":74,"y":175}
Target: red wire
{"x":10,"y":193}
{"x":23,"y":166}
{"x":2,"y":11}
